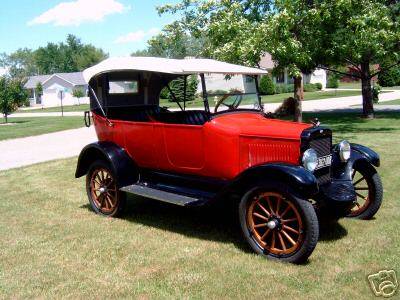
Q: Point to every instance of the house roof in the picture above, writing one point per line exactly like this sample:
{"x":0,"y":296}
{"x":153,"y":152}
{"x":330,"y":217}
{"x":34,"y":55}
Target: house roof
{"x":170,"y":66}
{"x":73,"y":78}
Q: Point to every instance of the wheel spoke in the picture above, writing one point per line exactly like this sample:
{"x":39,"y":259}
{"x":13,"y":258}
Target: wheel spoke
{"x":358,"y":181}
{"x":361,"y":196}
{"x":273,"y":240}
{"x":260,"y":216}
{"x":269,"y":204}
{"x":265,"y":234}
{"x":288,"y":237}
{"x":357,"y":204}
{"x":260,"y":225}
{"x":361,"y":188}
{"x":285,"y":211}
{"x":278,"y":206}
{"x":290,"y":229}
{"x":289,"y":220}
{"x":264,"y":209}
{"x":353,"y":174}
{"x":282,"y":242}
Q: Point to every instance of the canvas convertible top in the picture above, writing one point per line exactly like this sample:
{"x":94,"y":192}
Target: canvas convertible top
{"x":169,"y":66}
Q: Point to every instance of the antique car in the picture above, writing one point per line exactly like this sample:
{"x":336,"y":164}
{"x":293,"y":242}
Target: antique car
{"x":283,"y":175}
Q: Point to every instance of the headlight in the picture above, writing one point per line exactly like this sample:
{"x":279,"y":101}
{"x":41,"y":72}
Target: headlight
{"x":344,"y":150}
{"x":310,"y":160}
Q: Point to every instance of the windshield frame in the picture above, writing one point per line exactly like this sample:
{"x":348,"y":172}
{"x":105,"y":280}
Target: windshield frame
{"x":206,"y":96}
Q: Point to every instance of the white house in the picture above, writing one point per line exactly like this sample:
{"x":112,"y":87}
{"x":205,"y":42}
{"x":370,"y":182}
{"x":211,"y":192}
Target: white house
{"x":318,"y":76}
{"x":52,"y":85}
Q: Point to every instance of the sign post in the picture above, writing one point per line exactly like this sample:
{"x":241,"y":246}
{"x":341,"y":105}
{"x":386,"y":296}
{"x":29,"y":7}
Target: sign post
{"x":61,"y":96}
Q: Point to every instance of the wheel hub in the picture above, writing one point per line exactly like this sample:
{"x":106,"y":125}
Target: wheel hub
{"x":272,"y":224}
{"x":103,"y":190}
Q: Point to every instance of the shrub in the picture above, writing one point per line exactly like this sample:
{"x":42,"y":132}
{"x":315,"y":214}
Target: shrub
{"x":267,"y":86}
{"x":376,"y":90}
{"x":390,"y":77}
{"x":310,"y":87}
{"x":333,"y":81}
{"x":284,"y":88}
{"x":318,"y":85}
{"x":218,"y":92}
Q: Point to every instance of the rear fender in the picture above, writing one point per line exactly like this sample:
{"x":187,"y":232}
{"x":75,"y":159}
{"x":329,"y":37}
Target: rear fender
{"x":297,"y":178}
{"x":123,"y":166}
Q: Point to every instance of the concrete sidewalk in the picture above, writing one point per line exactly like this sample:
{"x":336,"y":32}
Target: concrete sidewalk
{"x":35,"y":149}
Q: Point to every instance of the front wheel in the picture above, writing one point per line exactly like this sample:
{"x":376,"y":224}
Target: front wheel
{"x":278,"y":224}
{"x":369,"y":190}
{"x":102,"y":190}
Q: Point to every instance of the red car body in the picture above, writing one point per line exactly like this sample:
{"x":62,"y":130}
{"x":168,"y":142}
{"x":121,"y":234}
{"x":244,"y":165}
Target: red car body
{"x":221,"y":148}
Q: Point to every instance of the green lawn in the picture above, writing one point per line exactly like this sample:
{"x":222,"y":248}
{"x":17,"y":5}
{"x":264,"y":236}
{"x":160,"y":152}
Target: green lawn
{"x":357,"y":85}
{"x":393,"y":102}
{"x":71,"y":108}
{"x":22,"y":127}
{"x":53,"y":246}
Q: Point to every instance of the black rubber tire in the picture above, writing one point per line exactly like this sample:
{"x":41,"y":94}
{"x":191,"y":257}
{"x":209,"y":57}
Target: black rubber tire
{"x":375,"y":193}
{"x":121,"y":196}
{"x":309,"y":219}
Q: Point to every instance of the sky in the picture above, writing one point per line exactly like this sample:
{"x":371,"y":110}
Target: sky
{"x":119,"y":27}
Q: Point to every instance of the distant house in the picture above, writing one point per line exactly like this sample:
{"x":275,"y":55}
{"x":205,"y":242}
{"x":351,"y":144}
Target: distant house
{"x":52,"y":85}
{"x":318,"y":76}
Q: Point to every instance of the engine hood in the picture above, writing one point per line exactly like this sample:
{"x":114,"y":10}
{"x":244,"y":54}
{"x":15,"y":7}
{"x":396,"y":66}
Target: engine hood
{"x":257,"y":125}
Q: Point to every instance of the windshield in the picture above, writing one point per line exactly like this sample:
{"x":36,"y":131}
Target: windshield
{"x":223,"y":92}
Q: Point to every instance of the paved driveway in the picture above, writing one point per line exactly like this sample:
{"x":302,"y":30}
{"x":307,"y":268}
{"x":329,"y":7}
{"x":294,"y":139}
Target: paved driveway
{"x":30,"y":150}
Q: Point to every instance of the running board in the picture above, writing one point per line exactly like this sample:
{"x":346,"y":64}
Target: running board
{"x":141,"y":190}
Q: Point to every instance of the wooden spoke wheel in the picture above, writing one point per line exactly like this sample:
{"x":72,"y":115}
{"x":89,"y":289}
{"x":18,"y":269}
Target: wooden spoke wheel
{"x":275,"y":223}
{"x":368,"y":188}
{"x":102,"y":190}
{"x":362,"y":188}
{"x":279,"y":225}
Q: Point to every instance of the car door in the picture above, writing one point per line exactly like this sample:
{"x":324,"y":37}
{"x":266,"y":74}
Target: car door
{"x":184,"y":147}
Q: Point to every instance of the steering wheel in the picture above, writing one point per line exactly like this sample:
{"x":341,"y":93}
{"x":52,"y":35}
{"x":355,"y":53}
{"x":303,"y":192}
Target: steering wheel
{"x":231,"y":106}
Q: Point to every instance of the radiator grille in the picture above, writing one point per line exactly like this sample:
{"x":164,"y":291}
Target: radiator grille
{"x":322,"y":145}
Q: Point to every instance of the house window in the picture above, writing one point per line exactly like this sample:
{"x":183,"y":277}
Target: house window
{"x":124,"y":87}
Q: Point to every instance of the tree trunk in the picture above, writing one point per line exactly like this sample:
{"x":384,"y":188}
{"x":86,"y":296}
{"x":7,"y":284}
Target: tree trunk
{"x":299,"y":97}
{"x":368,"y":104}
{"x":6,"y":117}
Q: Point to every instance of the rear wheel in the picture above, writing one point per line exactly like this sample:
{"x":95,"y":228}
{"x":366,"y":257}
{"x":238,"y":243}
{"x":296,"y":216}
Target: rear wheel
{"x":369,"y":191}
{"x":279,"y":225}
{"x":102,"y":190}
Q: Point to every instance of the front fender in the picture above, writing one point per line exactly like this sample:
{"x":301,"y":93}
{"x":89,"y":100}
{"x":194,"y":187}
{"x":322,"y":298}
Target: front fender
{"x":359,"y":155}
{"x":297,"y":178}
{"x":123,"y":166}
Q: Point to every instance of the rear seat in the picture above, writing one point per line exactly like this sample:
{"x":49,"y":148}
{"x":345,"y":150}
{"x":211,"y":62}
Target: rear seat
{"x":148,"y":113}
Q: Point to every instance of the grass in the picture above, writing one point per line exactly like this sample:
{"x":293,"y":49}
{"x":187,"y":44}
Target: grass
{"x":357,"y":85}
{"x":23,"y":127}
{"x":53,"y":246}
{"x":393,"y":102}
{"x":70,"y":108}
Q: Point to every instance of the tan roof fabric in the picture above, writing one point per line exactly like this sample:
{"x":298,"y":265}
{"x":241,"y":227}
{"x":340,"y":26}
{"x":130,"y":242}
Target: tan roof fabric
{"x":171,"y":66}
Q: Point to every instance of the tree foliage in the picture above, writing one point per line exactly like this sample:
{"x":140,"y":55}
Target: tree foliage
{"x":12,"y":95}
{"x":174,"y":42}
{"x":177,"y":87}
{"x":69,"y":56}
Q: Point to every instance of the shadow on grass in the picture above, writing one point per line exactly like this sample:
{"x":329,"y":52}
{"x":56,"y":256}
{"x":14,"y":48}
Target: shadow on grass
{"x":214,"y":223}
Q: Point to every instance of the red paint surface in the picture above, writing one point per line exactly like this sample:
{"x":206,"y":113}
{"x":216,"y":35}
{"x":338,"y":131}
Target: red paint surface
{"x":221,"y":148}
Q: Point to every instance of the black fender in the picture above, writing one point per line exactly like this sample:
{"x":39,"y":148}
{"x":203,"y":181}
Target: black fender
{"x":297,"y":178}
{"x":361,"y":155}
{"x":123,"y":166}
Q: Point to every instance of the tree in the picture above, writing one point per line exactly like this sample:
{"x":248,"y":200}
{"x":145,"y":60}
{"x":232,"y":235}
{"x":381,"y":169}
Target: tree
{"x":173,"y":42}
{"x":78,"y":93}
{"x":39,"y":89}
{"x":242,"y":31}
{"x":359,"y":33}
{"x":64,"y":57}
{"x":177,"y":87}
{"x":12,"y":95}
